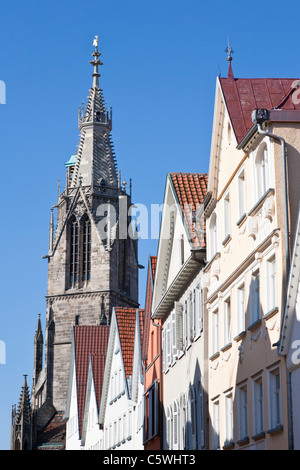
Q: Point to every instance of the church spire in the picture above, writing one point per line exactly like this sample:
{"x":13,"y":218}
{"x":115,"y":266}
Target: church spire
{"x":95,"y":159}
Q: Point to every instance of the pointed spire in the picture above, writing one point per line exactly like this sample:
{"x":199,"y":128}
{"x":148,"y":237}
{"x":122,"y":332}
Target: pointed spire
{"x":229,"y":51}
{"x":24,"y":408}
{"x":95,"y":63}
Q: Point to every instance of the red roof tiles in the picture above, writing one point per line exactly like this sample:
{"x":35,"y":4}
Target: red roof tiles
{"x":89,"y":341}
{"x":191,"y":190}
{"x":126,"y":318}
{"x":243,"y":95}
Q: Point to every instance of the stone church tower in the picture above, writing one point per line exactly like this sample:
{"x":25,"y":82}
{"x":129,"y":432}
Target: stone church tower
{"x":92,"y":257}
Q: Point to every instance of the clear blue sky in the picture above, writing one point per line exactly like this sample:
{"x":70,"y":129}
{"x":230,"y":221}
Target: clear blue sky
{"x":161,"y":60}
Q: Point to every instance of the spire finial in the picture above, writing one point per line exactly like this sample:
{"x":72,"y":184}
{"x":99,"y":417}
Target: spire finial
{"x":229,"y":51}
{"x":95,"y":63}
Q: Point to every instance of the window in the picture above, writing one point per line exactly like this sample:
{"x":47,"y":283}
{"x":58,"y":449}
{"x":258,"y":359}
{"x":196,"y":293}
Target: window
{"x":198,"y":311}
{"x":228,"y":418}
{"x":182,"y":422}
{"x":227,"y":321}
{"x":74,"y":252}
{"x":261,"y":167}
{"x":200,"y":415}
{"x":258,"y":405}
{"x":226,"y":216}
{"x":275,"y":398}
{"x":169,"y":427}
{"x":192,"y":430}
{"x":215,"y":331}
{"x":151,"y":411}
{"x":255,"y":297}
{"x":271,"y":283}
{"x":175,"y":425}
{"x":241,"y":308}
{"x":213,"y":239}
{"x":86,"y":249}
{"x":241,"y":195}
{"x":243,"y":411}
{"x":215,"y":425}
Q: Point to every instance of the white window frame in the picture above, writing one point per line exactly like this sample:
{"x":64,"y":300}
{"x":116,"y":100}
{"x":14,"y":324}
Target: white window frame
{"x":214,"y":321}
{"x":226,"y":215}
{"x":227,"y":319}
{"x":241,"y":194}
{"x":240,"y":313}
{"x":262,"y":170}
{"x":229,"y":416}
{"x":258,"y":404}
{"x":243,"y":411}
{"x":274,"y":397}
{"x":215,"y":423}
{"x":271,"y":281}
{"x":254,"y":295}
{"x":213,"y":234}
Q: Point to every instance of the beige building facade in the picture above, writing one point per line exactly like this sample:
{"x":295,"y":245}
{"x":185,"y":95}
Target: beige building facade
{"x":253,"y":184}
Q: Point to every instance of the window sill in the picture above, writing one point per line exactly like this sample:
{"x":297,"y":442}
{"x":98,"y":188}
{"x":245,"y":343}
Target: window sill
{"x":241,"y":219}
{"x":275,"y":430}
{"x":271,"y":313}
{"x":227,"y":346}
{"x":228,"y":445}
{"x":214,"y":356}
{"x":244,"y":440}
{"x":226,"y":240}
{"x":257,"y":206}
{"x":254,"y":325}
{"x":240,"y":336}
{"x":258,"y":436}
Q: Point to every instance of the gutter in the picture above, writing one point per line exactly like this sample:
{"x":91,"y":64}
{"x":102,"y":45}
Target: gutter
{"x":260,"y":116}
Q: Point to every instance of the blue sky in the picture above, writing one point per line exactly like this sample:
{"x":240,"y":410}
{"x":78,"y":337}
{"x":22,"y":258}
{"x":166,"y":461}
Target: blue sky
{"x":161,"y":60}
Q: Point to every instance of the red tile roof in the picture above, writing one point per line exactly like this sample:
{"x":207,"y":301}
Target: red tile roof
{"x":126,"y":326}
{"x":53,"y":436}
{"x":243,"y":95}
{"x":153,"y":266}
{"x":191,"y":190}
{"x":89,"y":341}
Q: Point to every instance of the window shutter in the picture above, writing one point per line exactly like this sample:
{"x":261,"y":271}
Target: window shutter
{"x":173,"y":335}
{"x":168,"y":333}
{"x":201,"y":440}
{"x":169,"y":428}
{"x":175,"y":426}
{"x":193,"y":443}
{"x":164,"y":351}
{"x":179,"y":326}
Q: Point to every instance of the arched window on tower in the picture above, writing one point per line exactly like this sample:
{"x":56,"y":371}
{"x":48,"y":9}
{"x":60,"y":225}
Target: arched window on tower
{"x":74,"y":252}
{"x":86,"y":249}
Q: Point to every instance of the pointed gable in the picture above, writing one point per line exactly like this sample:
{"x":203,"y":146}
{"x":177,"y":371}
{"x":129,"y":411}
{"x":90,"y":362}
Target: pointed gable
{"x":88,"y":341}
{"x":191,"y":190}
{"x":126,"y":318}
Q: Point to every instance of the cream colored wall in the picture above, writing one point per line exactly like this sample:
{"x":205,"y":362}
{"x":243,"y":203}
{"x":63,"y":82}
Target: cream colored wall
{"x":251,"y":242}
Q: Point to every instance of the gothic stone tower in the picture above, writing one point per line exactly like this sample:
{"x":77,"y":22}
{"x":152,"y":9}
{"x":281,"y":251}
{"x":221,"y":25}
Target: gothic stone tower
{"x":92,"y":258}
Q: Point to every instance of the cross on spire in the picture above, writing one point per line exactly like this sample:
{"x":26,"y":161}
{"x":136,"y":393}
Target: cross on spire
{"x":95,"y":63}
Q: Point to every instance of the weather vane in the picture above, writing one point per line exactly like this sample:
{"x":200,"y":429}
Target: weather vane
{"x":229,"y":51}
{"x":95,"y":43}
